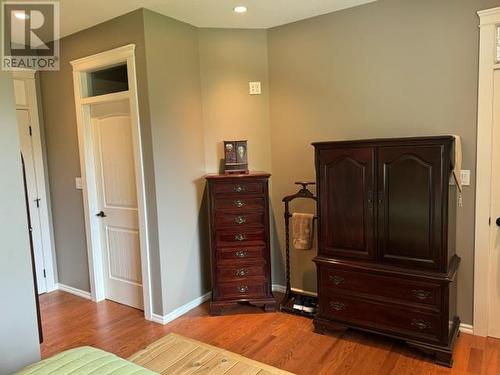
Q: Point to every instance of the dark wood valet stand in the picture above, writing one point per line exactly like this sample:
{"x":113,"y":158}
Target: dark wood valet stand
{"x":386,"y":240}
{"x":240,"y":241}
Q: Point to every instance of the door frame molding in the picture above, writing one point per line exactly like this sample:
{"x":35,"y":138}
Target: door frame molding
{"x":29,"y":78}
{"x":489,"y":20}
{"x":120,"y":55}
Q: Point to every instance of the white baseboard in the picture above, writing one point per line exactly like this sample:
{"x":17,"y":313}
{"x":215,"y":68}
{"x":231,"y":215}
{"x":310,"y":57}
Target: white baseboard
{"x":279,"y":288}
{"x":282,"y":289}
{"x":75,"y":291}
{"x":466,"y":328}
{"x":304,"y":292}
{"x":164,"y":319}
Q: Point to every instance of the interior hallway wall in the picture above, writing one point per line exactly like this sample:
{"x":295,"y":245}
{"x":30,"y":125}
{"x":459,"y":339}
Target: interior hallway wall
{"x":18,"y":324}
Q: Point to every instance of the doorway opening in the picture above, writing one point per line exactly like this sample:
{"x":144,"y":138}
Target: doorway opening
{"x":113,"y":177}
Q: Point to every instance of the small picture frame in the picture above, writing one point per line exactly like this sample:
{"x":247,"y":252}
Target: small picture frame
{"x":235,"y":157}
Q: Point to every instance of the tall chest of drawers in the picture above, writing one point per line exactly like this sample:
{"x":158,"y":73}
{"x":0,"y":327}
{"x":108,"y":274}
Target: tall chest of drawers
{"x":239,"y":240}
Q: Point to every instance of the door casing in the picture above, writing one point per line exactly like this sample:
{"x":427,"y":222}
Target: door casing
{"x":125,"y":54}
{"x":489,"y":19}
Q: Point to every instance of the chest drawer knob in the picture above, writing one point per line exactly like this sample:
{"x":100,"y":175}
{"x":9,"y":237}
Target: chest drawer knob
{"x":337,"y":280}
{"x":243,"y":289}
{"x":239,"y":188}
{"x":241,"y":272}
{"x":240,"y":220}
{"x":337,"y":306}
{"x":421,"y":324}
{"x":240,"y":237}
{"x":420,"y":294}
{"x":241,"y":254}
{"x":239,"y":203}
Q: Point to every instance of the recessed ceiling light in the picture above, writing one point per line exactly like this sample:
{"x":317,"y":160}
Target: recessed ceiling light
{"x":21,"y":15}
{"x":240,"y":9}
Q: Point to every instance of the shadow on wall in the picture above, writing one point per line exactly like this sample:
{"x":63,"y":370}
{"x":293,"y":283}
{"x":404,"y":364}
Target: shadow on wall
{"x":277,"y":251}
{"x":204,"y":238}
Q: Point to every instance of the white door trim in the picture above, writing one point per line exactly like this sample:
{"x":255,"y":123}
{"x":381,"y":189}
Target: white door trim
{"x":489,"y":19}
{"x":102,"y":60}
{"x":28,"y":77}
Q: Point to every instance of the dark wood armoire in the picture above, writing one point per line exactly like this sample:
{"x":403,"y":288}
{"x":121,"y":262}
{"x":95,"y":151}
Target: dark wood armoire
{"x":386,"y":252}
{"x":240,"y":240}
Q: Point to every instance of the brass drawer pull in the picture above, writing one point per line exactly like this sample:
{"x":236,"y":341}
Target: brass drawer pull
{"x":239,"y":203}
{"x":421,"y":324}
{"x":241,"y":272}
{"x":243,"y":288}
{"x":240,"y":220}
{"x":239,"y":188}
{"x":337,"y":306}
{"x":421,"y":294}
{"x":241,"y":253}
{"x":337,"y":280}
{"x":240,"y":237}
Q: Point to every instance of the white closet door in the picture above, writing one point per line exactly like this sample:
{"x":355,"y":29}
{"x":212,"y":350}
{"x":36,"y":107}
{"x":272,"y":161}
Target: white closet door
{"x":23,"y":124}
{"x":116,"y":180}
{"x":494,"y":282}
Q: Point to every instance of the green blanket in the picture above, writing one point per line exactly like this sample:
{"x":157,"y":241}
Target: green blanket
{"x":84,"y":361}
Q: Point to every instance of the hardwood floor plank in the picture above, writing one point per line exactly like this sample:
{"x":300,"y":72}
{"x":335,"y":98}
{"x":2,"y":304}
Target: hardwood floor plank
{"x":281,"y":340}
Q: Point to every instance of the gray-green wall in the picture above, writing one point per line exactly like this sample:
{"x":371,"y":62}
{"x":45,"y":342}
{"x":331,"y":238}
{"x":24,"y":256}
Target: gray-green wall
{"x":18,"y":324}
{"x":177,"y":131}
{"x":389,"y":68}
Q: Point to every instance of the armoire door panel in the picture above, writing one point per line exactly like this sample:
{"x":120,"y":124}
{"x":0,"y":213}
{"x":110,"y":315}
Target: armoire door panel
{"x":346,"y":202}
{"x":409,"y":205}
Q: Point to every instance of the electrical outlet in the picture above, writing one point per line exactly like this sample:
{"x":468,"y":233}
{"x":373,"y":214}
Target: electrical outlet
{"x":254,"y":88}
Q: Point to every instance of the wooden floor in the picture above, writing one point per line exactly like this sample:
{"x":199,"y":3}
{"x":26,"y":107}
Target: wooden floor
{"x":280,"y":340}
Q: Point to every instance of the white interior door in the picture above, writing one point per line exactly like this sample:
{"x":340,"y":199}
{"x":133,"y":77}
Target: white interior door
{"x":494,"y":272}
{"x":23,"y":123}
{"x":117,"y":200}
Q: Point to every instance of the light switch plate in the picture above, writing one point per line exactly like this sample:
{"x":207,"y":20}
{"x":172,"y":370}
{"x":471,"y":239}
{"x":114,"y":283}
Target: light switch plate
{"x":465,"y":177}
{"x":254,"y":88}
{"x":78,"y":183}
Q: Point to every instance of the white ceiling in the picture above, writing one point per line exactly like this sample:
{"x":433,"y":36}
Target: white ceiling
{"x":78,"y":15}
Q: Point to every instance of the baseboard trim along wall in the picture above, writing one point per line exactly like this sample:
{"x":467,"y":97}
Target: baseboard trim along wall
{"x":75,"y":291}
{"x":164,"y":319}
{"x":466,"y":328}
{"x":279,"y":288}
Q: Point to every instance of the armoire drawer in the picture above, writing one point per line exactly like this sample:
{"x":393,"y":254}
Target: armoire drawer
{"x":240,"y":271}
{"x":240,"y":219}
{"x":241,"y":237}
{"x":240,"y":204}
{"x":376,"y":286}
{"x":243,"y":289}
{"x":239,"y":188}
{"x":379,"y":316}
